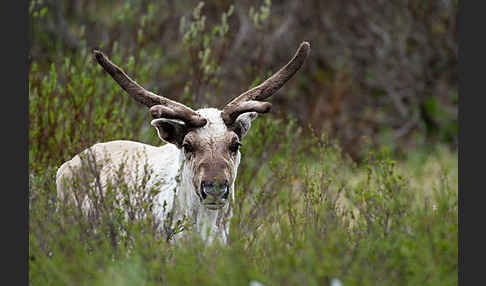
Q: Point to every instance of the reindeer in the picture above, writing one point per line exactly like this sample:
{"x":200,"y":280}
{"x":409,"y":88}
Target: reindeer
{"x":195,"y":173}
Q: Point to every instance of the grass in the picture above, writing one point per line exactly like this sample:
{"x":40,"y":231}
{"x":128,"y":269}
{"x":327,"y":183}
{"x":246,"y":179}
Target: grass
{"x":290,"y":226}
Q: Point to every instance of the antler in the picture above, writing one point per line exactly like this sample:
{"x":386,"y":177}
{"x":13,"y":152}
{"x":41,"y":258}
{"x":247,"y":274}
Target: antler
{"x":160,"y":107}
{"x":252,"y":100}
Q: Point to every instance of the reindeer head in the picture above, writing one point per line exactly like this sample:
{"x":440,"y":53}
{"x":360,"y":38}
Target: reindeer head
{"x":209,"y":138}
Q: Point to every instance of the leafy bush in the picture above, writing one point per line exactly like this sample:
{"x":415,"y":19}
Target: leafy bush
{"x":293,"y":225}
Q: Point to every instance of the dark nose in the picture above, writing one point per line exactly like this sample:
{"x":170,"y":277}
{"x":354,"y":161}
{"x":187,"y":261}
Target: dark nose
{"x":214,"y":190}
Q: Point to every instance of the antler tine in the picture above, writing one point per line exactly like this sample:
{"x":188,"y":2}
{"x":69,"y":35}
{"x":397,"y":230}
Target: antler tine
{"x":160,"y":107}
{"x":251,"y":99}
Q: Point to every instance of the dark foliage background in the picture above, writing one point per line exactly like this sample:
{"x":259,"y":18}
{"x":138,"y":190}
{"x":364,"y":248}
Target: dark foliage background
{"x":381,"y":69}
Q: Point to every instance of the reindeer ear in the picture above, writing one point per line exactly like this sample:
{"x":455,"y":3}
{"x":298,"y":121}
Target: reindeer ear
{"x":171,"y":131}
{"x":243,"y":123}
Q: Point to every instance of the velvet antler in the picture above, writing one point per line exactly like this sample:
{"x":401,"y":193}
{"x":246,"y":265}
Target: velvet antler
{"x":252,"y":100}
{"x":160,"y":107}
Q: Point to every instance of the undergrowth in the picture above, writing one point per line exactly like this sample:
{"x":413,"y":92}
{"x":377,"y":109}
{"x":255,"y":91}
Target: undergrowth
{"x":299,"y":220}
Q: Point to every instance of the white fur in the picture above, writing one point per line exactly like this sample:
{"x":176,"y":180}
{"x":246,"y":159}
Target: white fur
{"x":172,"y":171}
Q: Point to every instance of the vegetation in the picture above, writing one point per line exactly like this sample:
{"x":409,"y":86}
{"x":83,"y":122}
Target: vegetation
{"x":309,"y":207}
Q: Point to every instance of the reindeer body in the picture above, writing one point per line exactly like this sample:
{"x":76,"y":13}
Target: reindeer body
{"x":170,"y":174}
{"x":104,"y":161}
{"x":195,"y":174}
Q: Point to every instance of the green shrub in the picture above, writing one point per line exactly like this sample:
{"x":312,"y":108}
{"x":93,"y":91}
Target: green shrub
{"x":288,"y":228}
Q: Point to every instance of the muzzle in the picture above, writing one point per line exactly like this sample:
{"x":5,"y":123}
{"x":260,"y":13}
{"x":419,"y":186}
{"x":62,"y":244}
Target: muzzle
{"x":214,"y":195}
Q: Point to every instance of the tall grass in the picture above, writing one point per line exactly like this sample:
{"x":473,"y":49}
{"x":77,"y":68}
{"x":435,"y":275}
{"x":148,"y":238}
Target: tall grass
{"x":299,"y":220}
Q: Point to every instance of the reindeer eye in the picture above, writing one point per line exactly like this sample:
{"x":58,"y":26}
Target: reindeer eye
{"x":235,"y":146}
{"x":187,"y":148}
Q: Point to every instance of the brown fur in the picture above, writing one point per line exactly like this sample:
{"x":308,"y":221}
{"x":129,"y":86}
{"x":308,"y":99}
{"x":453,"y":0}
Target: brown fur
{"x":213,"y":158}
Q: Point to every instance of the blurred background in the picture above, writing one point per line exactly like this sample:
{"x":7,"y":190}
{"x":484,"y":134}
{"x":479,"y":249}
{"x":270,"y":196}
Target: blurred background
{"x":382,"y":70}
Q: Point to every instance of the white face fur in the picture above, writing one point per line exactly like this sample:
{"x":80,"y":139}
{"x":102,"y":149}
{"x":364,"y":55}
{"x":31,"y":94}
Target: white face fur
{"x":210,"y":159}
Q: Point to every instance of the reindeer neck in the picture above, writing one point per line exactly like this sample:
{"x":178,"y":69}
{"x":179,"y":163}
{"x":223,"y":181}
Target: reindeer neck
{"x":209,"y":224}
